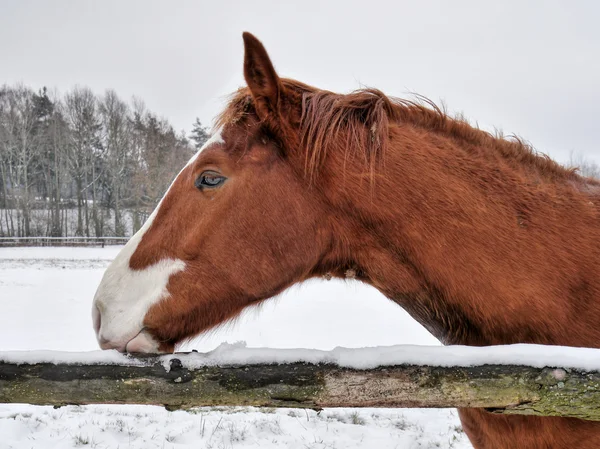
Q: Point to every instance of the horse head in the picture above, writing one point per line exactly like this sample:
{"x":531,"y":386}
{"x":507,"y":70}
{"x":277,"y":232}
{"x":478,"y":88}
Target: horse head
{"x":238,"y":225}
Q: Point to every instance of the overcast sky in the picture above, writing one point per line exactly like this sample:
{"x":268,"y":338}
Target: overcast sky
{"x":529,"y":68}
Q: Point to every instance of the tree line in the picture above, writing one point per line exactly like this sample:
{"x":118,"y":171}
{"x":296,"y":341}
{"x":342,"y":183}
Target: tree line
{"x":82,"y":164}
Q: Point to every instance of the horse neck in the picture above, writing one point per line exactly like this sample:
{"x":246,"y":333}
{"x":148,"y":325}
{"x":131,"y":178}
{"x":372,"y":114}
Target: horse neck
{"x":477,"y":251}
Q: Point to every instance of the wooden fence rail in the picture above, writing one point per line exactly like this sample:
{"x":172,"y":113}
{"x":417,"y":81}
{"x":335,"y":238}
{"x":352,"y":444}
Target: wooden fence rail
{"x":171,"y":382}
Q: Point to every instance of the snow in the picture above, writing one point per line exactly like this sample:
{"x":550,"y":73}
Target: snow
{"x":226,"y":354}
{"x":146,"y":427}
{"x":98,"y":357}
{"x":107,"y":253}
{"x":366,"y":358}
{"x":45,"y":298}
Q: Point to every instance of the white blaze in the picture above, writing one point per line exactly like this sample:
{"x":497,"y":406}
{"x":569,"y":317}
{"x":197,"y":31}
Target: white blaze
{"x":124,"y":296}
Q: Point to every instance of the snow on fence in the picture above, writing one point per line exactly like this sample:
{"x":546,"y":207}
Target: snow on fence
{"x":515,"y":379}
{"x":62,"y":241}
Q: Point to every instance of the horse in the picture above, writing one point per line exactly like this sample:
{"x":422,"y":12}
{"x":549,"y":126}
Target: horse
{"x":480,"y":238}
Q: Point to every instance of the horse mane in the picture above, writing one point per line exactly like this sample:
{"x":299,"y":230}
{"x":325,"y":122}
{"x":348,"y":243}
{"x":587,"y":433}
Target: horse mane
{"x":357,"y":124}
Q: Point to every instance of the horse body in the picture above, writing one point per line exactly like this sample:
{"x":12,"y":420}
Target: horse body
{"x":506,"y":256}
{"x":478,"y":238}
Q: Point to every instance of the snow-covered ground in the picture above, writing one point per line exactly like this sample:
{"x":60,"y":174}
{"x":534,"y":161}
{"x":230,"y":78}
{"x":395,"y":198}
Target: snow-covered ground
{"x":45,"y":297}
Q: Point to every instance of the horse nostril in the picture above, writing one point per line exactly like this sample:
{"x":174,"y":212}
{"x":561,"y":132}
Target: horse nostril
{"x":96,"y":318}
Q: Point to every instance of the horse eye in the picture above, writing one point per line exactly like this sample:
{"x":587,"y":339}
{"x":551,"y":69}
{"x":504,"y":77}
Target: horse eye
{"x":209,"y":180}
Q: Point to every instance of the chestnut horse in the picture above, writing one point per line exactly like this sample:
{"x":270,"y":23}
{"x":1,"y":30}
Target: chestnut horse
{"x":479,"y":238}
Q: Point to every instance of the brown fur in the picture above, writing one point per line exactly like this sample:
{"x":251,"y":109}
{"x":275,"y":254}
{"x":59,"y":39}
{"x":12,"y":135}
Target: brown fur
{"x":481,"y":239}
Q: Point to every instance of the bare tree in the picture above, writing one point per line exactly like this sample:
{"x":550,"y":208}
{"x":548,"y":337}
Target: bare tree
{"x":585,"y":166}
{"x":83,"y":157}
{"x":18,"y":143}
{"x":116,"y":140}
{"x":56,"y":167}
{"x":81,"y":113}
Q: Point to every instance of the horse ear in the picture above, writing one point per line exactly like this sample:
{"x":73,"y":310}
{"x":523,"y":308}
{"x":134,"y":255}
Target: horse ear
{"x":261,"y":77}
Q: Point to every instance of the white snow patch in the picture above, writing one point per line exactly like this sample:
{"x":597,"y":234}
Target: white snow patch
{"x":148,"y":427}
{"x":111,"y":357}
{"x":538,"y":356}
{"x":109,"y":252}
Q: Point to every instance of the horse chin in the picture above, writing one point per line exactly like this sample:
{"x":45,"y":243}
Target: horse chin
{"x":146,"y":344}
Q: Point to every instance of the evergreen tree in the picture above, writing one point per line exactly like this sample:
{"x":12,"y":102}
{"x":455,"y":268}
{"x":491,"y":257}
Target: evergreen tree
{"x":199,"y":134}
